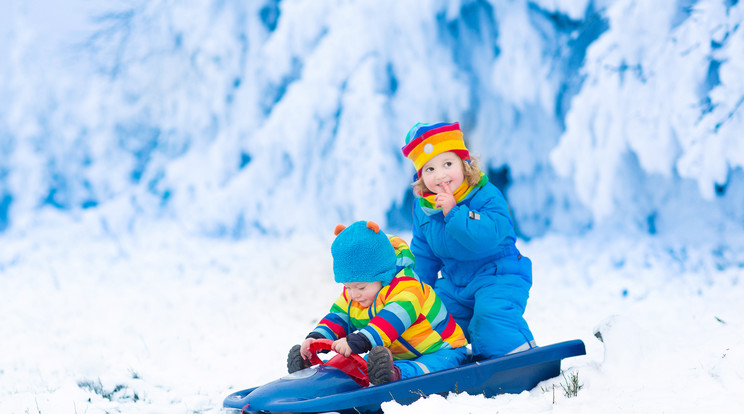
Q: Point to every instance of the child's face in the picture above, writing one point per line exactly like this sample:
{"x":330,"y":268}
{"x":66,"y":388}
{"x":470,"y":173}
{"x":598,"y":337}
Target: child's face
{"x":443,"y":173}
{"x":364,"y":292}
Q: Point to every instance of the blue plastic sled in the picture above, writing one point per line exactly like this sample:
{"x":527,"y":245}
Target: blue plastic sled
{"x":323,"y":388}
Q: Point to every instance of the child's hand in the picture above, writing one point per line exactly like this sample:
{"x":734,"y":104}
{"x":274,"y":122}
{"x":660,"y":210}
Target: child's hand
{"x":445,"y":199}
{"x":305,"y":348}
{"x":341,"y":347}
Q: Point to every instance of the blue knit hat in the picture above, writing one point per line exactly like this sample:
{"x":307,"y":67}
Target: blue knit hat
{"x":362,"y":253}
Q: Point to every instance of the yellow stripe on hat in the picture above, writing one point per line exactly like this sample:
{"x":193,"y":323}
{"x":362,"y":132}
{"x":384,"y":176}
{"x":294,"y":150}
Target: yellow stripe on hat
{"x":432,"y":143}
{"x":435,"y":145}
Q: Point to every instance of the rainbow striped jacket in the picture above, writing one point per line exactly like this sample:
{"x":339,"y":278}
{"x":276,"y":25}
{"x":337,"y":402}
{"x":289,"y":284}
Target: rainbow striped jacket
{"x":407,"y":316}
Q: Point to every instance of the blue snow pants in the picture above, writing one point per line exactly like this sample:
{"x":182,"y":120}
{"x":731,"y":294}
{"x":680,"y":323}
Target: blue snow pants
{"x":490,"y":308}
{"x":436,"y":361}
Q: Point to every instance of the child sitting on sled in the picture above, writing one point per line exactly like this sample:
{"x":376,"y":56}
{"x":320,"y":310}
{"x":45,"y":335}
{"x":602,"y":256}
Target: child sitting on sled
{"x":384,"y":309}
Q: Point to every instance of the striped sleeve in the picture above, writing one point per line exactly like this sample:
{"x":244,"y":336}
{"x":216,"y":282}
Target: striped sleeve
{"x":335,"y":324}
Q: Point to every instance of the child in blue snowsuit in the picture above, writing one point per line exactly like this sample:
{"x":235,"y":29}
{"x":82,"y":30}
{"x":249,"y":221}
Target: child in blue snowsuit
{"x":462,"y":228}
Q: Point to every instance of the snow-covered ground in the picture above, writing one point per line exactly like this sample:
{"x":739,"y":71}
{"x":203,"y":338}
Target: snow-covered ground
{"x":167,"y":323}
{"x":166,"y":169}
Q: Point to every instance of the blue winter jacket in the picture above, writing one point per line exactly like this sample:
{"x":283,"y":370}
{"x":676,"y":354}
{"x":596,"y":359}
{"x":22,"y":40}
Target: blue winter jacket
{"x":469,"y":241}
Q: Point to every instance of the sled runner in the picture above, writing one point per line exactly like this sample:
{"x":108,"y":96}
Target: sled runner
{"x":339,"y":384}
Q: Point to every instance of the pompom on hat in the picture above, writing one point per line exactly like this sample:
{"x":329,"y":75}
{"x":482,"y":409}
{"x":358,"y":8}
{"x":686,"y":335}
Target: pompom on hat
{"x":425,"y":141}
{"x":362,"y":253}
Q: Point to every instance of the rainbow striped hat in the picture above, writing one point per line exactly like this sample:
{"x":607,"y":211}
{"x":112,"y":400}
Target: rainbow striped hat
{"x":425,"y":141}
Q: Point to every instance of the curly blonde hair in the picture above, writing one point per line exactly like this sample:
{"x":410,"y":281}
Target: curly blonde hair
{"x":470,"y":171}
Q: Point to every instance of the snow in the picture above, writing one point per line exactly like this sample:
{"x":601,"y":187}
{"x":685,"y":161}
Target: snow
{"x":171,"y":172}
{"x":169,"y":324}
{"x":174,"y":108}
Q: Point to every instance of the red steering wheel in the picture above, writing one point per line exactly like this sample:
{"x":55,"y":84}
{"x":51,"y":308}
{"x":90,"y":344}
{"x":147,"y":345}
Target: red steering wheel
{"x":354,"y":365}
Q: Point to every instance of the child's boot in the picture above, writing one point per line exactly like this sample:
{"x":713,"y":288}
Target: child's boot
{"x":295,"y":361}
{"x":380,"y":367}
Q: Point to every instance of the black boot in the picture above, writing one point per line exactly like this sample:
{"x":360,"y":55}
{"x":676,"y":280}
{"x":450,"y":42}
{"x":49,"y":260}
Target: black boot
{"x":380,"y":367}
{"x":295,"y":361}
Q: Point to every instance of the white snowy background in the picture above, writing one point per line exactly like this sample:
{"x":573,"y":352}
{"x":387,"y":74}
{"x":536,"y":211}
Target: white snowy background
{"x":171,"y":172}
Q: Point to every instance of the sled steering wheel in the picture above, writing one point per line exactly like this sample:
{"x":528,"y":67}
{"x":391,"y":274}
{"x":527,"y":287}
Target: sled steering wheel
{"x":354,"y":365}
